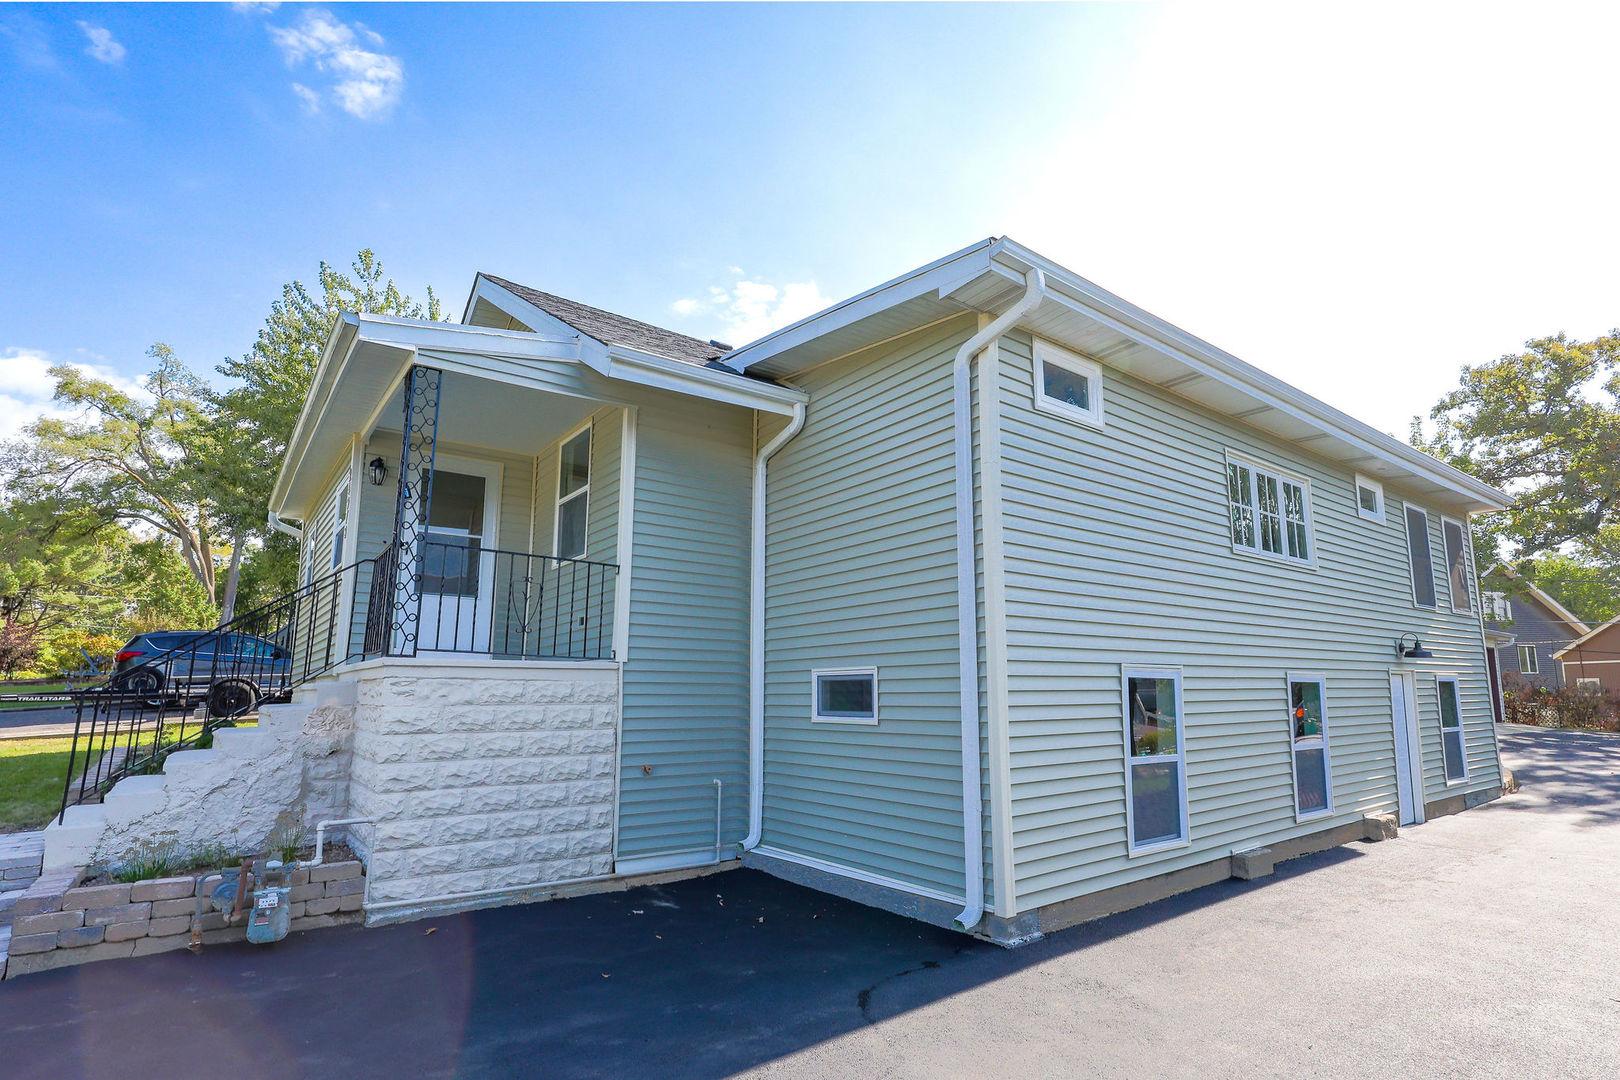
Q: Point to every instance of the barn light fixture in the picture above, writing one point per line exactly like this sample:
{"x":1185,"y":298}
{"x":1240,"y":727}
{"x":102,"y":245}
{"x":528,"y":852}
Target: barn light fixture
{"x":1415,"y":651}
{"x":379,"y":471}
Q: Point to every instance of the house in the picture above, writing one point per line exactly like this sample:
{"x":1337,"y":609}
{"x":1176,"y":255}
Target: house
{"x":1538,"y":625}
{"x":983,"y":596}
{"x":1592,"y":661}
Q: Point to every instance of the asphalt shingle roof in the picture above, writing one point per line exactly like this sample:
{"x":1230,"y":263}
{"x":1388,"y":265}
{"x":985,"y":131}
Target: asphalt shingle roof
{"x":611,"y":329}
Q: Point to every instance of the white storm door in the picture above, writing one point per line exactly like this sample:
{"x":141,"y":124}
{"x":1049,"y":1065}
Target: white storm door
{"x":458,"y":563}
{"x":1408,"y":764}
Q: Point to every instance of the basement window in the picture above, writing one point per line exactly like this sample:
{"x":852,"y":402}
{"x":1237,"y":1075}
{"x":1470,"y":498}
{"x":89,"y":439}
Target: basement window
{"x":1068,"y":385}
{"x":844,"y":696}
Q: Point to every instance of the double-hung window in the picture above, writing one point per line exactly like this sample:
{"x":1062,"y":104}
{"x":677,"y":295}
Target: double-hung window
{"x":1527,"y":660}
{"x":1457,"y":564}
{"x":1067,"y":385}
{"x":1451,"y":733}
{"x":1271,"y":512}
{"x":1313,"y":772}
{"x":573,"y":495}
{"x":1417,"y":543}
{"x":1155,"y":760}
{"x":340,"y":525}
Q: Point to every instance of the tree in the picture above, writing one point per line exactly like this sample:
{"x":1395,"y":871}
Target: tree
{"x":1583,"y":585}
{"x":1544,"y":426}
{"x":255,"y":418}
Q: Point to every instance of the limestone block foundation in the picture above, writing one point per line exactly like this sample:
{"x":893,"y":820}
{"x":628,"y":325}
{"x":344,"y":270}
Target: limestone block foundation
{"x":482,"y":775}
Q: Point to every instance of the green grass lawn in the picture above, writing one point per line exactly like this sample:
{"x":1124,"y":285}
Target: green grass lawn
{"x":32,"y":772}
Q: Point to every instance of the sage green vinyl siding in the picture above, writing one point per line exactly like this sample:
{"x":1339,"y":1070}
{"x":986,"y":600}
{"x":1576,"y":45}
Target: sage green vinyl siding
{"x":314,"y":632}
{"x":861,"y":572}
{"x":686,"y":677}
{"x":1118,"y":550}
{"x":601,"y":536}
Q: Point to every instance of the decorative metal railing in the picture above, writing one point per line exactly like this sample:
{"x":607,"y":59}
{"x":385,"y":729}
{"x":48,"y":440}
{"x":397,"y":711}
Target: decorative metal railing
{"x":511,"y":604}
{"x":157,"y":703}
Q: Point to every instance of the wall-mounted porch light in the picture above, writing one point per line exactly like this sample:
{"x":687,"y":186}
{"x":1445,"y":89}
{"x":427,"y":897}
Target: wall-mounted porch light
{"x":1415,"y":651}
{"x":378,"y":468}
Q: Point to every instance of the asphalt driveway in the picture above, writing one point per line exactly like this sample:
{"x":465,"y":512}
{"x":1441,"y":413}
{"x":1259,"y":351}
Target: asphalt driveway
{"x":1481,"y":945}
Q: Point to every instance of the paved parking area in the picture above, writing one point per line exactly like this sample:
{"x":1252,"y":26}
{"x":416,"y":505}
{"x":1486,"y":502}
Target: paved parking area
{"x":1481,"y":945}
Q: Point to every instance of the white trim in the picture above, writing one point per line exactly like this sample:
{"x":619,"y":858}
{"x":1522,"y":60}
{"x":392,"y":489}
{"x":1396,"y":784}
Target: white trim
{"x":997,"y":693}
{"x":1595,"y":684}
{"x":1257,"y":467}
{"x":859,"y":875}
{"x":493,"y":474}
{"x":1289,"y":679}
{"x":626,"y":537}
{"x":583,"y":492}
{"x":1414,"y":742}
{"x":1579,"y":663}
{"x":1411,"y":561}
{"x":1467,"y":561}
{"x":647,"y":369}
{"x":685,"y":859}
{"x":1127,"y":672}
{"x":1043,"y":353}
{"x":817,"y":674}
{"x":1377,"y":488}
{"x":1462,"y":727}
{"x":1535,"y":661}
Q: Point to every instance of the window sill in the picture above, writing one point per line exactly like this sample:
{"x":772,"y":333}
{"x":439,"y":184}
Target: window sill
{"x":1072,"y":415}
{"x":849,"y":721}
{"x":1158,"y":846}
{"x":1312,"y":815}
{"x":1279,"y":560}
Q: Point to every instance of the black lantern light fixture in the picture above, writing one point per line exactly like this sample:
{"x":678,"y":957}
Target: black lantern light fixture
{"x":1415,"y":651}
{"x":379,"y":471}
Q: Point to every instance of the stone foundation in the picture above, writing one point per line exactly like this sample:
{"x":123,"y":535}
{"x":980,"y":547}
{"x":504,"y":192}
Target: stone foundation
{"x":482,"y":776}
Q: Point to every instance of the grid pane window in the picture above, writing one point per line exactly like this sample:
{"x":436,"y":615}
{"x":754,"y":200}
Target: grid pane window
{"x":1241,"y":493}
{"x":1270,"y":513}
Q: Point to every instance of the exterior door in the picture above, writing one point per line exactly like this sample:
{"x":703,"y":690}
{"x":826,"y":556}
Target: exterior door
{"x":458,"y":571}
{"x":1408,"y":760}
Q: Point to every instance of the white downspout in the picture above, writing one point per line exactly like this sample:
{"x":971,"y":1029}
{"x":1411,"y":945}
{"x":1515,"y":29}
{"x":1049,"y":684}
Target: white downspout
{"x":282,"y":527}
{"x":756,"y":635}
{"x":967,"y":629}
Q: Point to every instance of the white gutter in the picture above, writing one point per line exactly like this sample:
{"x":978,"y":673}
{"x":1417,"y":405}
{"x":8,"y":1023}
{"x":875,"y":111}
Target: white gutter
{"x":756,"y":634}
{"x":967,"y":629}
{"x":282,"y":527}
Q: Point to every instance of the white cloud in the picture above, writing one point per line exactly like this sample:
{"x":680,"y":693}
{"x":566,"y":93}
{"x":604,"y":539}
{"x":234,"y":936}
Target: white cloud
{"x":250,"y":7}
{"x":29,"y":386}
{"x":364,"y":83}
{"x":311,"y":100}
{"x":751,"y":309}
{"x":102,"y":44}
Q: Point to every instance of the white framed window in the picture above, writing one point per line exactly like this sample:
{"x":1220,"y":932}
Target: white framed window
{"x":1452,"y":748}
{"x":1527,"y":660}
{"x":1313,"y":770}
{"x":1270,"y":511}
{"x":340,"y":524}
{"x":1369,"y":498}
{"x":844,"y":696}
{"x":1455,"y":536}
{"x":1589,"y":686}
{"x":1068,"y":385}
{"x":1155,"y":759}
{"x":1498,"y":608}
{"x":573,"y":495}
{"x":1419,"y":556}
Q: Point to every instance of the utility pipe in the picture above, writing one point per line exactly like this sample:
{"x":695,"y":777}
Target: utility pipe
{"x":719,"y":794}
{"x":756,"y":634}
{"x":967,"y":628}
{"x":320,"y":846}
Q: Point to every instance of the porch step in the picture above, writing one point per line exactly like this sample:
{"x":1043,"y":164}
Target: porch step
{"x":72,"y":841}
{"x":240,"y":742}
{"x":187,"y":761}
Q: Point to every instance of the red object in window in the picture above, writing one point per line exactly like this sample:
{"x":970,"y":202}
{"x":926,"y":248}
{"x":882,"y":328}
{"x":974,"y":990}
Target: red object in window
{"x":127,"y":654}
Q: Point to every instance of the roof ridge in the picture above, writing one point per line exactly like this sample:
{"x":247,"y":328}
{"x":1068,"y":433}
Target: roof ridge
{"x":612,"y":328}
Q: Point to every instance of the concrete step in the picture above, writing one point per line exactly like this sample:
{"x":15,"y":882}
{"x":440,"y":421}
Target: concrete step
{"x":242,"y":742}
{"x":187,"y":762}
{"x":72,"y":841}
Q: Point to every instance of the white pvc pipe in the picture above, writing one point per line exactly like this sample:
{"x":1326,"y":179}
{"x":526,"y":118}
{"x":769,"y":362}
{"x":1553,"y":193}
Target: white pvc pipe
{"x":756,"y":635}
{"x":719,"y":793}
{"x":967,"y":624}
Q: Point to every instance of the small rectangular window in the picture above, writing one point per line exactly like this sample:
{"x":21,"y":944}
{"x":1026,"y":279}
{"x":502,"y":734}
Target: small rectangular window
{"x":340,"y":526}
{"x":1589,"y":686}
{"x":844,"y":696}
{"x":1527,"y":660}
{"x":1155,"y":760}
{"x":1498,"y":608}
{"x":1067,"y":385}
{"x":1313,"y":774}
{"x":573,"y":495}
{"x":1270,"y":512}
{"x":1417,"y":544}
{"x":1451,"y":733}
{"x":1457,"y":564}
{"x":1369,"y":498}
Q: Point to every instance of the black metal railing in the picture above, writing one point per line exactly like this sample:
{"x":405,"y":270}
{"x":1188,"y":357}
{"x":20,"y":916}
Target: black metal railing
{"x":470,"y":599}
{"x":163,"y":701}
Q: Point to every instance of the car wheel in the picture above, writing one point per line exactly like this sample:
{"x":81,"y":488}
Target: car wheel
{"x":231,"y":698}
{"x":146,"y":683}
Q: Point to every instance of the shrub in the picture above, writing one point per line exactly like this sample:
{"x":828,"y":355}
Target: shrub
{"x":287,"y":835}
{"x":59,"y":651}
{"x":1523,"y":702}
{"x":18,"y":649}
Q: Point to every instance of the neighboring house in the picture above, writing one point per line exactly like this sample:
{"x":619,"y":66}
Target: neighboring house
{"x":984,"y":596}
{"x":1539,"y":625}
{"x":1592,"y":661}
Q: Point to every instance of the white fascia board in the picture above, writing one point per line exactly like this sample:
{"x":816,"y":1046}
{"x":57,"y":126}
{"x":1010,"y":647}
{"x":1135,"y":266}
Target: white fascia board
{"x":505,"y":299}
{"x":1223,"y":367}
{"x":646,"y":369}
{"x":940,"y":276}
{"x":453,"y":338}
{"x":332,"y":360}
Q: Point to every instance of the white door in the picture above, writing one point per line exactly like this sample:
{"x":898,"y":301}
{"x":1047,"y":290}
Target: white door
{"x":458,"y":565}
{"x":1408,"y":761}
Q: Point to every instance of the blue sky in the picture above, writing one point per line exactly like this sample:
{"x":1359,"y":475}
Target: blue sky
{"x":1358,"y":200}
